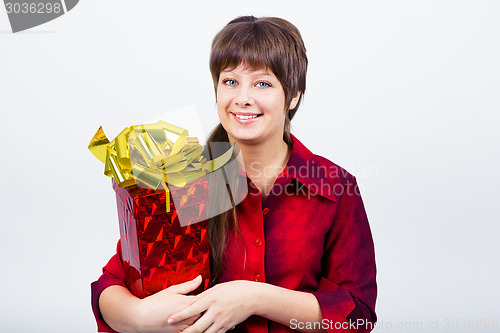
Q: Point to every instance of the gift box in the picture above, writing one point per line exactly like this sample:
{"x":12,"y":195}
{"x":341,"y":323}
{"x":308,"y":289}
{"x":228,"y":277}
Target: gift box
{"x":157,"y":251}
{"x":162,"y":195}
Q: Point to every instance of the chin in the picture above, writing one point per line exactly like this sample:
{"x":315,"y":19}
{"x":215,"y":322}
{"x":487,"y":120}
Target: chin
{"x":245,"y":138}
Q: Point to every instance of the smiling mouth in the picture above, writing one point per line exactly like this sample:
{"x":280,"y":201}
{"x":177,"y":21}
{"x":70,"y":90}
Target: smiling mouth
{"x":243,"y":117}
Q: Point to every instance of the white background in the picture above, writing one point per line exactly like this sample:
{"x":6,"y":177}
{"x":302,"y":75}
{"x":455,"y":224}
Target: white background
{"x":403,"y":94}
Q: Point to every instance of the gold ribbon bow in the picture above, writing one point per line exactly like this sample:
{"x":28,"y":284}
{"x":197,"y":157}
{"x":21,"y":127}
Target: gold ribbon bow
{"x":156,"y":159}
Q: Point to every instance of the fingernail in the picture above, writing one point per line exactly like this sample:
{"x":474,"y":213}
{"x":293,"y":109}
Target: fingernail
{"x":170,"y":321}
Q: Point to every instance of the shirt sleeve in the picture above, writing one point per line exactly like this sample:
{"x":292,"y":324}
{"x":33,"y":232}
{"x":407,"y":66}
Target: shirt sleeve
{"x":347,"y":291}
{"x":112,"y":274}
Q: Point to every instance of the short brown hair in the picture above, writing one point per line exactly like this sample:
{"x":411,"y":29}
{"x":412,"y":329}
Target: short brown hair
{"x":267,"y":42}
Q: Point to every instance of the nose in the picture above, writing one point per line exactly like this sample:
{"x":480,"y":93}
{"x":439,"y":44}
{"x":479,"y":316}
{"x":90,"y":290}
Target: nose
{"x":244,"y":97}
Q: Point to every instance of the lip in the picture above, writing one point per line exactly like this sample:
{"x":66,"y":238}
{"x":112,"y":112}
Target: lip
{"x":245,"y":121}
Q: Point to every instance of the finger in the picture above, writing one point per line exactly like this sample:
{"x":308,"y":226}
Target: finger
{"x":205,"y":292}
{"x":190,"y":321}
{"x":192,"y":310}
{"x":214,"y":329}
{"x":201,"y":325}
{"x":219,"y":329}
{"x":186,"y":287}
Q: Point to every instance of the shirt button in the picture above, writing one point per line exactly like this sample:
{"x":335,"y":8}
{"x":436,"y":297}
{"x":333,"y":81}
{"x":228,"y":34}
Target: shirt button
{"x":265,"y":211}
{"x":258,"y":242}
{"x":257,"y":278}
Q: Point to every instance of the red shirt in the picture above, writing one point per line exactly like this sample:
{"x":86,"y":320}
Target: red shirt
{"x":311,"y":234}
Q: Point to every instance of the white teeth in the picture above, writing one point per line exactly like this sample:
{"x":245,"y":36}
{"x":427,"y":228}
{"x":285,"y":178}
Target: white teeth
{"x":245,"y":117}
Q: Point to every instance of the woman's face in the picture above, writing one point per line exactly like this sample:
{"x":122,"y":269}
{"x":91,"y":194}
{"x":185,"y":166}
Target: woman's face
{"x":251,"y":105}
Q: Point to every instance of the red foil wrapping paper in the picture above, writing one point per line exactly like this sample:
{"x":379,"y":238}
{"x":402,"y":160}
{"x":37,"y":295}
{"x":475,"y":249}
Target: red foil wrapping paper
{"x":161,"y":182}
{"x":157,"y":251}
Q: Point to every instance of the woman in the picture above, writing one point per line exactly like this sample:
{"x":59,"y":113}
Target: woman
{"x":297,"y":252}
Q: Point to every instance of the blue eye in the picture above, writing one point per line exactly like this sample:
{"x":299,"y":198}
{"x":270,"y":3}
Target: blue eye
{"x":263,"y":84}
{"x":229,"y":82}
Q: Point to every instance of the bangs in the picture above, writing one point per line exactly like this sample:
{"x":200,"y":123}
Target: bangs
{"x":255,"y":46}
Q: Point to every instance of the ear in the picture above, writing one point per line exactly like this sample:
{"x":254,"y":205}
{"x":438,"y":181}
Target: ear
{"x":295,"y":100}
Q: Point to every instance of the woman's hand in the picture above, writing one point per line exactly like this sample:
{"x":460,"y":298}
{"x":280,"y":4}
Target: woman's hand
{"x":124,"y":312}
{"x":225,"y":305}
{"x":153,"y":311}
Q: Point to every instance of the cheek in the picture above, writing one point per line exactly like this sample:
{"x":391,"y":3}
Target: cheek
{"x":223,"y":99}
{"x":275,"y":103}
{"x":221,"y":113}
{"x":222,"y":108}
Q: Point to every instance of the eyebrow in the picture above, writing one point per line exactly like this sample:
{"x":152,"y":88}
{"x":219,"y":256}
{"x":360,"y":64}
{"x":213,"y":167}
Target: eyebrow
{"x":259,"y":73}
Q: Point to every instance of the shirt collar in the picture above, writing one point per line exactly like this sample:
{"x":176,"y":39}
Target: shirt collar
{"x":312,"y":171}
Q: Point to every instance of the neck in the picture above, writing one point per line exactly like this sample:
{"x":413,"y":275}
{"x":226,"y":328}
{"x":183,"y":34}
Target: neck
{"x":264,"y":162}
